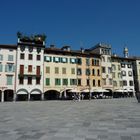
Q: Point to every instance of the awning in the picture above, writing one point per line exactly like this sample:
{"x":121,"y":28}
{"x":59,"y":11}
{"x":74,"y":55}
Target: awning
{"x":22,"y":93}
{"x":74,"y":90}
{"x":101,"y":90}
{"x":119,"y":90}
{"x":35,"y":92}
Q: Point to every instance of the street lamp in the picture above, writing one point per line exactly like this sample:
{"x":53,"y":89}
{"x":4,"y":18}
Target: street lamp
{"x":2,"y":93}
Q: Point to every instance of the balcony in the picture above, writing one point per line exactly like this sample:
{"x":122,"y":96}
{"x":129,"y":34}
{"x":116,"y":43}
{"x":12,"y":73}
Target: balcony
{"x":33,"y":73}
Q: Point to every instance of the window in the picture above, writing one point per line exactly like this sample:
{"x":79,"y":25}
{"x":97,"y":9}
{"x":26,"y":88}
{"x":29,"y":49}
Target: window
{"x":21,"y":69}
{"x":93,"y":71}
{"x":65,"y":82}
{"x":56,"y":59}
{"x":57,"y":81}
{"x":114,"y":83}
{"x":56,"y":70}
{"x":98,"y":72}
{"x":29,"y":80}
{"x":79,"y":61}
{"x":79,"y":71}
{"x":130,"y":73}
{"x":104,"y":81}
{"x":87,"y":62}
{"x":64,"y":60}
{"x":110,"y":81}
{"x":79,"y":82}
{"x":123,"y":73}
{"x":21,"y":80}
{"x":64,"y":71}
{"x":124,"y":83}
{"x":123,"y":65}
{"x":73,"y":82}
{"x":72,"y":60}
{"x":47,"y":81}
{"x":109,"y":70}
{"x":30,"y":68}
{"x":9,"y":80}
{"x":1,"y":57}
{"x":87,"y":72}
{"x":47,"y":69}
{"x":38,"y":81}
{"x":95,"y":62}
{"x":9,"y":68}
{"x":113,"y":74}
{"x":10,"y":57}
{"x":30,"y":56}
{"x":113,"y":67}
{"x":131,"y":83}
{"x":38,"y":57}
{"x":87,"y":82}
{"x":129,"y":66}
{"x":22,"y":56}
{"x":93,"y":83}
{"x":38,"y":71}
{"x":48,"y":58}
{"x":103,"y":70}
{"x":1,"y":67}
{"x":72,"y":70}
{"x":99,"y":83}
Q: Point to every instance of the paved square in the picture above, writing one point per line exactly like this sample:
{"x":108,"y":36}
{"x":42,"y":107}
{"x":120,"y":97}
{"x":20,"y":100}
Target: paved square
{"x":107,"y":119}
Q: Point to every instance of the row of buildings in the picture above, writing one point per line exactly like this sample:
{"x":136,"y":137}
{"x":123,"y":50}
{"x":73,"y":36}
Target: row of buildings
{"x":31,"y":71}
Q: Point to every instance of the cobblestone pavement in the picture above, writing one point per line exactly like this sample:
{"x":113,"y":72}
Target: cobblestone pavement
{"x":107,"y":119}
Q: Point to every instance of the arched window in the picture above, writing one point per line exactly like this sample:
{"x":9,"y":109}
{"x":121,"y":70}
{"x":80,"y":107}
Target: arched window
{"x":93,"y":72}
{"x":99,"y":83}
{"x":98,"y":72}
{"x":93,"y":83}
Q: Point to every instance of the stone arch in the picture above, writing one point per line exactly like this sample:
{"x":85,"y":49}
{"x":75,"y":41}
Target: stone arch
{"x":35,"y":94}
{"x":22,"y":95}
{"x":8,"y":95}
{"x":51,"y":95}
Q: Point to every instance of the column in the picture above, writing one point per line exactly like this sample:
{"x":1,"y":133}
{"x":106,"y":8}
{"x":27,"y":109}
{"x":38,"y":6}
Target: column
{"x":42,"y":96}
{"x":28,"y":96}
{"x":2,"y":96}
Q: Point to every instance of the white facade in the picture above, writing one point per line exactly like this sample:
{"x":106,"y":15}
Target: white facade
{"x":27,"y":65}
{"x":127,"y":75}
{"x":7,"y":71}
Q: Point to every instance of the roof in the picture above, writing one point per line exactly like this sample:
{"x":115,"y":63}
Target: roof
{"x":8,"y":46}
{"x":54,"y":50}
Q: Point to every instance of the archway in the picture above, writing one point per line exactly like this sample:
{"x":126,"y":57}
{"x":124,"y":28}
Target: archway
{"x":8,"y":95}
{"x":51,"y":95}
{"x":66,"y":95}
{"x":22,"y":95}
{"x":35,"y":95}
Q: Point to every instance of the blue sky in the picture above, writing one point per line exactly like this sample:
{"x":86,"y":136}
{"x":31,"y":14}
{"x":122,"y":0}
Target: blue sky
{"x":78,"y":23}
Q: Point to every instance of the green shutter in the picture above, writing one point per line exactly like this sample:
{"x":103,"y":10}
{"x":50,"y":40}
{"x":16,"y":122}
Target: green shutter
{"x":9,"y":80}
{"x":47,"y":81}
{"x":1,"y":68}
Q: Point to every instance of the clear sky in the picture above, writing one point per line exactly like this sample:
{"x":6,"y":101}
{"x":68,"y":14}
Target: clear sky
{"x":78,"y":23}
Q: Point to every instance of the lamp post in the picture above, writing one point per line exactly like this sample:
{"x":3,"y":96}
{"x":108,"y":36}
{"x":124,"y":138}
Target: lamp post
{"x":2,"y":93}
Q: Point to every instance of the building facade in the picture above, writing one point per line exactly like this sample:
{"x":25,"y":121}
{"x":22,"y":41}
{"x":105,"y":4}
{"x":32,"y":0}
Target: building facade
{"x":29,"y":72}
{"x":7,"y":72}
